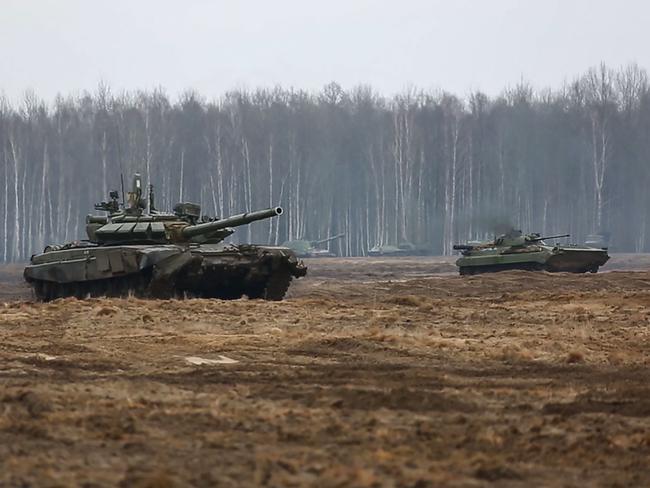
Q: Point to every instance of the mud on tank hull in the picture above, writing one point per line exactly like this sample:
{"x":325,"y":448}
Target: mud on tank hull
{"x":572,"y":259}
{"x":164,"y":271}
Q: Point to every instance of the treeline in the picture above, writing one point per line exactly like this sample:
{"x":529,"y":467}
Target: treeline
{"x":420,"y":167}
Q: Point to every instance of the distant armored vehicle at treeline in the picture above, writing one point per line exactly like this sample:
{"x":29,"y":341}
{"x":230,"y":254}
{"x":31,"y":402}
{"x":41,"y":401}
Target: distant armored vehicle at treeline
{"x":311,"y":249}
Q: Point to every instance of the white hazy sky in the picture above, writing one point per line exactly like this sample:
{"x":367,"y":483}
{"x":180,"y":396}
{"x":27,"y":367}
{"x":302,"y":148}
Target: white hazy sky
{"x":65,"y":46}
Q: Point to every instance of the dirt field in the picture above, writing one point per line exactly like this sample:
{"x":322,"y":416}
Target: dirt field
{"x":374,"y":372}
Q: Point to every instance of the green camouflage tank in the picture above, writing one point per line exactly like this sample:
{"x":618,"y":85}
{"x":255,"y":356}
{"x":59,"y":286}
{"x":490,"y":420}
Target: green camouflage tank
{"x":142,"y":251}
{"x":515,"y":250}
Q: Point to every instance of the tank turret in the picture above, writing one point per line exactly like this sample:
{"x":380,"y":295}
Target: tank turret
{"x":134,"y":224}
{"x":326,"y":240}
{"x":169,"y":228}
{"x":514,"y":238}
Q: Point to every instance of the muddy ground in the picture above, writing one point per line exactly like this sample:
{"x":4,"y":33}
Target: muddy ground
{"x":374,"y":372}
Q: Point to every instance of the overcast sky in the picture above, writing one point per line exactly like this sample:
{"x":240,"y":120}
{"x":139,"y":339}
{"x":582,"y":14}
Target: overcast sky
{"x":65,"y":46}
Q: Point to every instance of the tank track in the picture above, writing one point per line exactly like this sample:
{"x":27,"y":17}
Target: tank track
{"x":273,"y":289}
{"x":115,"y":287}
{"x":277,"y":285}
{"x":473,"y":270}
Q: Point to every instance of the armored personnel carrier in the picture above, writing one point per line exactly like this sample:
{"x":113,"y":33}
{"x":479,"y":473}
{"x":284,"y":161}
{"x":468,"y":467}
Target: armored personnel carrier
{"x":310,"y":249}
{"x":145,"y":252}
{"x":515,"y":250}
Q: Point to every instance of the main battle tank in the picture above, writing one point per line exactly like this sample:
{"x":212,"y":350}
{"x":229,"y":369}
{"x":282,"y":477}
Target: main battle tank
{"x":156,"y":254}
{"x":515,"y":250}
{"x":310,"y":249}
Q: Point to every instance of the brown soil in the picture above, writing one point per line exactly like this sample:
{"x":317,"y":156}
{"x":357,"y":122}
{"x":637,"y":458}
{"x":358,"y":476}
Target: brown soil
{"x":373,"y":372}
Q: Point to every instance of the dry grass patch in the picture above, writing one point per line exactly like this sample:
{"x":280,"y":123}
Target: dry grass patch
{"x":516,"y":354}
{"x":575,"y":357}
{"x":408,"y":300}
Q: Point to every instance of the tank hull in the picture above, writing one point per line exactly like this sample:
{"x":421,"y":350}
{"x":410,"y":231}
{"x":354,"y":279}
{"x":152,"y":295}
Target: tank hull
{"x":568,"y":259}
{"x":577,"y":260}
{"x":164,"y":271}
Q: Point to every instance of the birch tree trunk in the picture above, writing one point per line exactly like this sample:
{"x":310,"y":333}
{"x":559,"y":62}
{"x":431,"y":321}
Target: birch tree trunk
{"x":15,"y":256}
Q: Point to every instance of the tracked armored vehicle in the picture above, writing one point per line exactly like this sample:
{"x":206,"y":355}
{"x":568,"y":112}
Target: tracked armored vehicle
{"x":402,"y":249}
{"x":145,"y":252}
{"x":311,"y":249}
{"x":515,"y":250}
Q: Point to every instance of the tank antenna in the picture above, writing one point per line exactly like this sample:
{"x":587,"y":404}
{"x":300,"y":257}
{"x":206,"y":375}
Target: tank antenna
{"x":119,"y":161}
{"x":152,"y":207}
{"x":122,"y":183}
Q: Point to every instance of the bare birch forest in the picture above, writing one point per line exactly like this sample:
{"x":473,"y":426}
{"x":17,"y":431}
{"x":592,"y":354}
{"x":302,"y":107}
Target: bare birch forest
{"x":427,"y":168}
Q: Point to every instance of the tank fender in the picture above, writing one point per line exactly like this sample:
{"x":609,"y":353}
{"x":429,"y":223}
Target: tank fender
{"x":58,"y":272}
{"x":79,"y":265}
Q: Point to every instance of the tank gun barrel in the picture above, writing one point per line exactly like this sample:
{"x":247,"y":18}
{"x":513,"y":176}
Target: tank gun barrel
{"x":234,"y":221}
{"x":550,"y":237}
{"x":326,"y":240}
{"x":463,"y":247}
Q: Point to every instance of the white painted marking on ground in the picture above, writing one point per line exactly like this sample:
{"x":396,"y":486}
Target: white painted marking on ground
{"x":200,"y":361}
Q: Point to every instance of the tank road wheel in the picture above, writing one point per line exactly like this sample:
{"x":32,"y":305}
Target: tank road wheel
{"x":47,"y":291}
{"x":136,"y":284}
{"x":277,"y":285}
{"x":43,"y":291}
